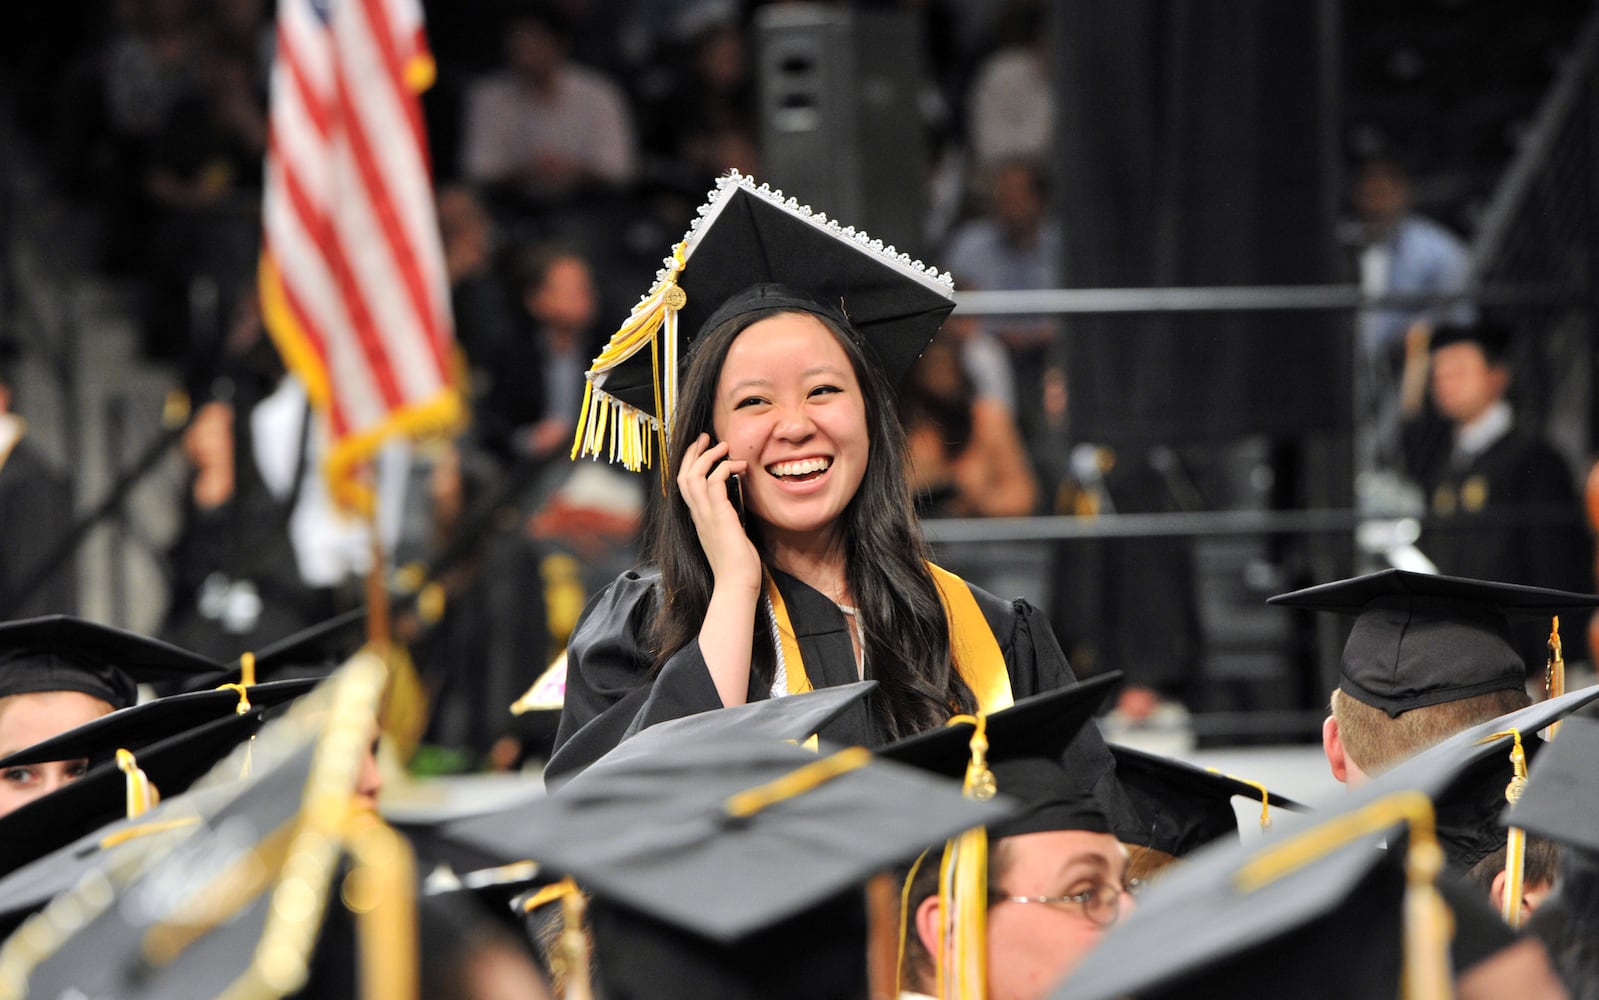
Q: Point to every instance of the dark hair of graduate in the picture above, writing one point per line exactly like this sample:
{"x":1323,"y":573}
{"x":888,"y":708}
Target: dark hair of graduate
{"x":901,"y":615}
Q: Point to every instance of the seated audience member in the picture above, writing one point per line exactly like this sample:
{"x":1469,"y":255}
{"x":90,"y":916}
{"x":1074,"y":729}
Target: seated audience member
{"x":543,"y":127}
{"x":966,"y":453}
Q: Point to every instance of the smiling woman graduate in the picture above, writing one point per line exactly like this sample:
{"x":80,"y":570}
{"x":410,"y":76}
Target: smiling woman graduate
{"x":809,"y":570}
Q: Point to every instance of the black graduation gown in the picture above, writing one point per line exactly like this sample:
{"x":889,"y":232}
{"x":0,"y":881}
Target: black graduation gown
{"x":610,"y":693}
{"x":1518,"y":470}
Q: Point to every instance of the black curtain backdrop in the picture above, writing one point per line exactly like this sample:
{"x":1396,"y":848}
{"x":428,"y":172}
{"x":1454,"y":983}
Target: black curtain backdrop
{"x":1195,"y":147}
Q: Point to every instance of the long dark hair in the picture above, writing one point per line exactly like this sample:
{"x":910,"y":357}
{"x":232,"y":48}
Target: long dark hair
{"x":906,"y":632}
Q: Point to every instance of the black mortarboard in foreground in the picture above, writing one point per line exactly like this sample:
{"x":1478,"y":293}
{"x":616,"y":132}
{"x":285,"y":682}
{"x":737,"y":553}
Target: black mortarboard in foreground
{"x":751,"y":249}
{"x":1561,"y":799}
{"x":1026,"y":744}
{"x":795,"y":719}
{"x":682,"y":835}
{"x":1466,"y":775}
{"x":1422,"y":640}
{"x":100,"y":796}
{"x":138,"y":726}
{"x":66,"y":653}
{"x":1180,"y":807}
{"x":249,"y":903}
{"x":1282,"y":916}
{"x":725,"y":868}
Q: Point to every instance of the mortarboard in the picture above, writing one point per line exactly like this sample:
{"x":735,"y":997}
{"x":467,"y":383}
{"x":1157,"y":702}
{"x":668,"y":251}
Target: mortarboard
{"x":752,"y":249}
{"x":245,"y":904}
{"x":1025,"y":745}
{"x":100,"y":796}
{"x":1466,"y":775}
{"x":1284,"y":914}
{"x":1422,"y":640}
{"x":1018,"y":752}
{"x":1181,"y":807}
{"x":684,"y":835}
{"x":724,"y":867}
{"x":138,"y":726}
{"x":794,"y":718}
{"x":66,"y":653}
{"x":314,"y":651}
{"x":1492,"y":338}
{"x":1561,"y":798}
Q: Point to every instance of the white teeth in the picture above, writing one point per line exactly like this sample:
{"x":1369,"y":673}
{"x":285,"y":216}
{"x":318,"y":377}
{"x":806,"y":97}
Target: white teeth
{"x":799,"y":468}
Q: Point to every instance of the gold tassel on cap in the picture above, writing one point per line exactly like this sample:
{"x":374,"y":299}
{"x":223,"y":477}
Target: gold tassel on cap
{"x":1265,"y":796}
{"x":963,"y":885}
{"x":652,"y":321}
{"x":1516,"y":837}
{"x":1554,"y":674}
{"x":141,"y":796}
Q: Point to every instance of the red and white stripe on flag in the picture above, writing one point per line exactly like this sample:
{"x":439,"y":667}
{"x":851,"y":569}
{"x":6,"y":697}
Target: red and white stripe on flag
{"x":352,"y":279}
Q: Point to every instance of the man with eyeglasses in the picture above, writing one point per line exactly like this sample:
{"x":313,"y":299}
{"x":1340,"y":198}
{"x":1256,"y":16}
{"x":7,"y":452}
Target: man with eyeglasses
{"x":1057,"y":880}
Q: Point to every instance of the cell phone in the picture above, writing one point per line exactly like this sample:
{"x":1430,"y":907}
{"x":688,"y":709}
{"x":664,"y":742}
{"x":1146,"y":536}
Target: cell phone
{"x":735,"y":496}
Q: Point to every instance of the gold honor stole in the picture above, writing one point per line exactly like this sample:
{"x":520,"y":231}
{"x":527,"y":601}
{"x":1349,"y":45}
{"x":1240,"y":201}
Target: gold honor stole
{"x":971,"y":643}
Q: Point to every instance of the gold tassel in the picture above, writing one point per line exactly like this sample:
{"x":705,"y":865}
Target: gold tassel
{"x":569,"y":958}
{"x":141,"y":795}
{"x":963,"y":885}
{"x":1265,"y":796}
{"x":1516,"y":838}
{"x":650,"y":320}
{"x":1554,"y":674}
{"x":380,"y":891}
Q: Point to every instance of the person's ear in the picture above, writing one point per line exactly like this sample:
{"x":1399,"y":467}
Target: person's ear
{"x":1496,"y":892}
{"x":1332,"y":745}
{"x":930,"y":927}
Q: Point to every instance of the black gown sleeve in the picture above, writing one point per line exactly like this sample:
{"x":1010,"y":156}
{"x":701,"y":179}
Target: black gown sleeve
{"x":612,"y":690}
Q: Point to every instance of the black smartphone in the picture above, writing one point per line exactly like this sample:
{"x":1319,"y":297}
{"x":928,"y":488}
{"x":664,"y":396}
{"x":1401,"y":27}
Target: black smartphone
{"x":735,"y":496}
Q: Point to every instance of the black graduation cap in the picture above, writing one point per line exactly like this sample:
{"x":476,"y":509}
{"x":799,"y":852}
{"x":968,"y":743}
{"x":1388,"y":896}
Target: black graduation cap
{"x":138,"y":726}
{"x":1181,"y":807}
{"x":110,"y":853}
{"x":1492,"y":338}
{"x":688,"y":836}
{"x":1420,"y":639}
{"x":314,"y":651}
{"x":1561,"y":799}
{"x":248,"y":900}
{"x":1466,"y":775}
{"x":1283,"y":915}
{"x":420,"y":808}
{"x":100,"y":796}
{"x":794,"y":718}
{"x":752,"y":249}
{"x":67,"y":653}
{"x":1026,"y":743}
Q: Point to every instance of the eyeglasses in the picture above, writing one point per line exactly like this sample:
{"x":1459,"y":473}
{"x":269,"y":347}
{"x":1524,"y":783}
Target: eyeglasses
{"x":1101,"y":902}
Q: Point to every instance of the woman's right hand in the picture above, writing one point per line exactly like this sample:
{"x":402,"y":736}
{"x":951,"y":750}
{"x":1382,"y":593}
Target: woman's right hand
{"x":702,"y":479}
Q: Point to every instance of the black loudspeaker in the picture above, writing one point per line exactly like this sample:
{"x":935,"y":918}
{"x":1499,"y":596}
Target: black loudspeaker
{"x":840,"y":126}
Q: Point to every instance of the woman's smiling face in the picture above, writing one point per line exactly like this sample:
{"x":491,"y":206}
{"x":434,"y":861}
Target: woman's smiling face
{"x":788,"y":402}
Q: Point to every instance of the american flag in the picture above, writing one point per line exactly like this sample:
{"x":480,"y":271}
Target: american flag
{"x":352,"y":278}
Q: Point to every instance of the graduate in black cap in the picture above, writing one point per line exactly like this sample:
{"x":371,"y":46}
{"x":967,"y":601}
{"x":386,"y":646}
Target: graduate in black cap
{"x":58,"y":672}
{"x":1005,"y":913}
{"x":786,"y":554}
{"x":1427,"y":657}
